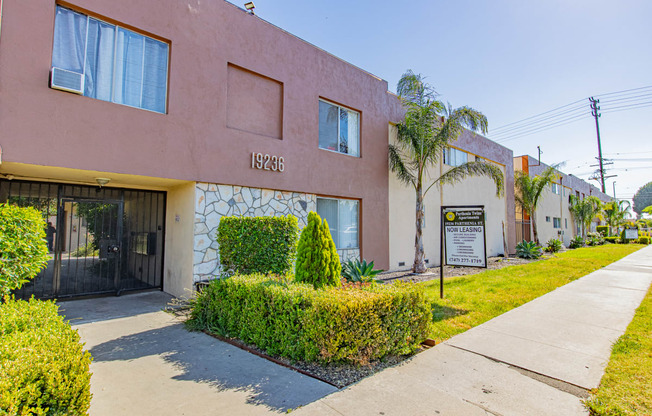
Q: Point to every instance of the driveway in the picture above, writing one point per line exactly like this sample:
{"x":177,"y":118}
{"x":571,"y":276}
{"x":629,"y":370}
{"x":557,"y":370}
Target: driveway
{"x":146,"y":363}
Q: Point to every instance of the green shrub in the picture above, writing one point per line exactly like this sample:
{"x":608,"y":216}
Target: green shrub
{"x":613,"y":239}
{"x":296,"y":321}
{"x":23,"y":249}
{"x":528,"y":250}
{"x":317,"y":260}
{"x":603,"y":229}
{"x":553,"y":245}
{"x":43,"y":368}
{"x":594,"y":239}
{"x":644,"y":240}
{"x":258,"y":244}
{"x":576,"y":242}
{"x":355,"y":271}
{"x":88,"y":250}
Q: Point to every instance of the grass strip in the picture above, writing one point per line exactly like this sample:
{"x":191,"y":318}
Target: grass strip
{"x":474,"y":299}
{"x":626,"y":387}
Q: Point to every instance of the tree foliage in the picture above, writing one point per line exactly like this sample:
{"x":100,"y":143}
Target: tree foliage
{"x":642,"y":198}
{"x":585,"y":210}
{"x":528,"y":191}
{"x":317,"y":260}
{"x":615,"y":213}
{"x":428,"y":128}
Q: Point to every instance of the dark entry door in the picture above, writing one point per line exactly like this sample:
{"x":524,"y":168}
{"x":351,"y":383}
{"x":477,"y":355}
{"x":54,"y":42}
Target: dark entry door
{"x":101,"y":240}
{"x":88,"y":247}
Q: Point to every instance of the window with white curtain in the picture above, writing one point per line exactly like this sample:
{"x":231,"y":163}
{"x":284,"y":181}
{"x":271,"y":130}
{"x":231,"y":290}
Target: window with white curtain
{"x":339,"y":129}
{"x":342,"y":216}
{"x":455,"y":157}
{"x":117,"y":64}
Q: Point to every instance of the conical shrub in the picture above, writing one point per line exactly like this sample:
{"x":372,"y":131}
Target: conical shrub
{"x":317,"y":260}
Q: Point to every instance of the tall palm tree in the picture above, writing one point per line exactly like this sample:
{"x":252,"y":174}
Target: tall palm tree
{"x":428,"y":128}
{"x":585,"y":210}
{"x":615,"y":213}
{"x":528,"y":193}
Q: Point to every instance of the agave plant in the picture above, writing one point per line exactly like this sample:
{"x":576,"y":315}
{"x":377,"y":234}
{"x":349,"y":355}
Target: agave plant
{"x":528,"y":250}
{"x":553,"y":245}
{"x":576,"y":242}
{"x":356,"y":271}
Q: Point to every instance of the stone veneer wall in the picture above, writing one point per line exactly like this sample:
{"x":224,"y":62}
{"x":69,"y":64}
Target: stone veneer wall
{"x":212,"y":202}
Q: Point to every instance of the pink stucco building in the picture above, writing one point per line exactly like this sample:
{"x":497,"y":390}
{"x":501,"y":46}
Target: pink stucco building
{"x":139,"y":127}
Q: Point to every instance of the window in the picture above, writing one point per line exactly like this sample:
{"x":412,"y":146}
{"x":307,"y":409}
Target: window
{"x":547,"y":219}
{"x":115,"y":64}
{"x":556,"y":222}
{"x":566,"y":223}
{"x":342,"y":218}
{"x":339,"y":129}
{"x":454,"y":157}
{"x":556,"y":188}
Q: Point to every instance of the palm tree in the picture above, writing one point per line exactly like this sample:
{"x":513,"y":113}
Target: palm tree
{"x":428,"y":128}
{"x":614,"y":214}
{"x":528,"y":193}
{"x":585,"y":210}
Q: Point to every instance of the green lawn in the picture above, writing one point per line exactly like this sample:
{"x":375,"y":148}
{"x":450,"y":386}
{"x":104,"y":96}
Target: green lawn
{"x":626,"y":387}
{"x":474,"y":299}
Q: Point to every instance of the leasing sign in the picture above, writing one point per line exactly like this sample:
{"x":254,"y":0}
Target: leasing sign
{"x":464,"y":237}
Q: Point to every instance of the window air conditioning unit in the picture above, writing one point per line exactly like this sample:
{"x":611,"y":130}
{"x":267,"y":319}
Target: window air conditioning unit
{"x":62,"y":79}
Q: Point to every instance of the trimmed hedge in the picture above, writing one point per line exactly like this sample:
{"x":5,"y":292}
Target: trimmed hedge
{"x":294,"y":320}
{"x":613,"y":239}
{"x":43,"y":367}
{"x":644,"y":240}
{"x":258,"y":244}
{"x":23,"y":249}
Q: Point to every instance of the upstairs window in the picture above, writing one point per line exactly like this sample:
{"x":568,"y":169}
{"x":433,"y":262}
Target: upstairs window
{"x":108,"y":62}
{"x":454,"y":157}
{"x":556,"y":188}
{"x":556,"y":222}
{"x":339,"y":129}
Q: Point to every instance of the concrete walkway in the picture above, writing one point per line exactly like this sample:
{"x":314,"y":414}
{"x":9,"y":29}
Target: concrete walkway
{"x":146,"y":363}
{"x":538,"y":359}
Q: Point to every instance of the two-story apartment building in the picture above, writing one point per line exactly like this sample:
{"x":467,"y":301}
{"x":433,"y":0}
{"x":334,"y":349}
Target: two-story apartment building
{"x":134,"y":127}
{"x":553,"y":217}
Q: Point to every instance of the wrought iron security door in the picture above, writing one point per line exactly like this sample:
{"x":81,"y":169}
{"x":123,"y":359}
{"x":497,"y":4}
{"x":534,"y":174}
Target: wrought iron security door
{"x":101,"y":240}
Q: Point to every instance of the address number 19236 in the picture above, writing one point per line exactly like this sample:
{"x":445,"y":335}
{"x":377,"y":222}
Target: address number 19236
{"x":267,"y":162}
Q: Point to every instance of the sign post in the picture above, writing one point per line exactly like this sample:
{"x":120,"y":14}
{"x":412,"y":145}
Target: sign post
{"x":463,"y":238}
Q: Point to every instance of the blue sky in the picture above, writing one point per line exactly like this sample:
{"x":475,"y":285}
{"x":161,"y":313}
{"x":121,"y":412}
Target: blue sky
{"x":510,"y":59}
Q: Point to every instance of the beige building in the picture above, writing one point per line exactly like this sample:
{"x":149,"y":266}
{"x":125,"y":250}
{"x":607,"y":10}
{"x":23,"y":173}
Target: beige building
{"x":499,"y":211}
{"x":553,"y":216}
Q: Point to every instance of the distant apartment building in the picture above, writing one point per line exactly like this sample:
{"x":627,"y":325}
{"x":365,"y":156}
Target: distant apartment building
{"x":135,"y":126}
{"x":553,"y":216}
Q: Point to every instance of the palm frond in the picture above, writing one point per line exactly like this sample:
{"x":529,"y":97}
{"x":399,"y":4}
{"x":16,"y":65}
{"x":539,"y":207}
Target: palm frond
{"x":397,"y":165}
{"x":458,"y":173}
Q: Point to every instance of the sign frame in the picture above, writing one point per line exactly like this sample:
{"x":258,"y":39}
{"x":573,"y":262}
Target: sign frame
{"x":442,"y":258}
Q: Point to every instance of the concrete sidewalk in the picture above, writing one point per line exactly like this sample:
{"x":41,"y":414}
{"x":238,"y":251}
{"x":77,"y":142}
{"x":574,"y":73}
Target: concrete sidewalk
{"x":146,"y":363}
{"x":538,"y":359}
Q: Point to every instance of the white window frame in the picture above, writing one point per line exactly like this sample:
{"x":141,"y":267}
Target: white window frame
{"x":556,"y":188}
{"x":340,"y":107}
{"x":338,"y":220}
{"x":113,"y":84}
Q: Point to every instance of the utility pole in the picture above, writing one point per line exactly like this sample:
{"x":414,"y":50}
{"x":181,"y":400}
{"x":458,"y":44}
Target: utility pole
{"x":594,"y":112}
{"x":615,"y":191}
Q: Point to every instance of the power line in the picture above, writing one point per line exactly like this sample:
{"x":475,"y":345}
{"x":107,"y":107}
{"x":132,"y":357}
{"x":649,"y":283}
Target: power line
{"x":546,"y":112}
{"x":545,"y":120}
{"x":543,"y":128}
{"x":649,"y":87}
